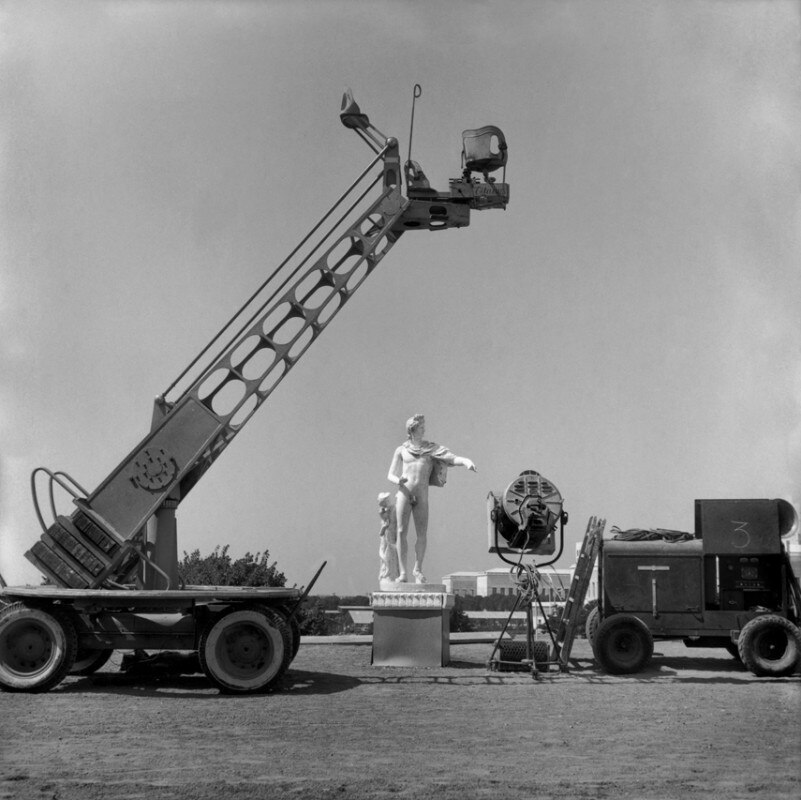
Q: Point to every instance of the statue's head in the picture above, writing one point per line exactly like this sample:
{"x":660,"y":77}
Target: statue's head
{"x":413,"y":423}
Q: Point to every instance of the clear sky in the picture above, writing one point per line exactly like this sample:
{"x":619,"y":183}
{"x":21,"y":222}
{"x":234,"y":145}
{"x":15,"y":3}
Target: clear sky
{"x":628,"y":327}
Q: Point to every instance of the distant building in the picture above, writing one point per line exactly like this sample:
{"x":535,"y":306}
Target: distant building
{"x":481,"y":584}
{"x":495,"y":581}
{"x":554,"y":583}
{"x":464,"y":584}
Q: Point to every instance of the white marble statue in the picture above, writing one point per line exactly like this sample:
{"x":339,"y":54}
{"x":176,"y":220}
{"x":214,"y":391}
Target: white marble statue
{"x":416,"y":464}
{"x":388,"y":538}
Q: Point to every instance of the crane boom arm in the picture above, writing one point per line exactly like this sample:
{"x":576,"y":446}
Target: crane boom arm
{"x":217,"y":406}
{"x":191,"y":432}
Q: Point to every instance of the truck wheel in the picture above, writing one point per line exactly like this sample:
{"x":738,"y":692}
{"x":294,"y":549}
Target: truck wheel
{"x":770,"y":645}
{"x":88,"y":662}
{"x":732,"y":649}
{"x":37,"y":648}
{"x":592,"y":623}
{"x":623,"y":644}
{"x":246,"y":650}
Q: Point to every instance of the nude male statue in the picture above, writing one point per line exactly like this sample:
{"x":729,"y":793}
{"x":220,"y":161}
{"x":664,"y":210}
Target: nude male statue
{"x":416,"y":464}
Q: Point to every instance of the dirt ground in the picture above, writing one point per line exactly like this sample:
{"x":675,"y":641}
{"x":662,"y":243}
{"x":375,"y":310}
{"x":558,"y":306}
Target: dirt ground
{"x":695,"y":725}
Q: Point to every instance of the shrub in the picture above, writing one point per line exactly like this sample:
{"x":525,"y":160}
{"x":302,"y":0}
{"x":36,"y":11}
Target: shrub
{"x":313,"y":620}
{"x":218,"y":569}
{"x":459,"y":621}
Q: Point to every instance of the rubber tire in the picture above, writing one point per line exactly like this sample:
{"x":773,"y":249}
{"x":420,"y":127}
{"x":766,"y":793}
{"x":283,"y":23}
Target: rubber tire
{"x":541,"y":653}
{"x":592,"y":623}
{"x":770,"y":645}
{"x":733,"y":650}
{"x":512,"y":649}
{"x":88,"y":662}
{"x":623,"y":644}
{"x":246,"y":650}
{"x":37,"y":648}
{"x":294,"y":629}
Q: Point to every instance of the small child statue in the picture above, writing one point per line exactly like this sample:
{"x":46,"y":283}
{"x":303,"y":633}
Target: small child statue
{"x":388,"y":536}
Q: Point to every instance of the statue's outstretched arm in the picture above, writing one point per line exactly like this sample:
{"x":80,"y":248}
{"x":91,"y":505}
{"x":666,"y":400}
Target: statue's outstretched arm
{"x":460,"y":461}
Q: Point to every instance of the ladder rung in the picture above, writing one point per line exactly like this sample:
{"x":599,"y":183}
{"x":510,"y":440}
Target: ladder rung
{"x":578,"y":589}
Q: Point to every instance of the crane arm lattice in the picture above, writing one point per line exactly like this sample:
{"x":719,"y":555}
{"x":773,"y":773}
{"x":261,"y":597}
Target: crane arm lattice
{"x":188,"y":434}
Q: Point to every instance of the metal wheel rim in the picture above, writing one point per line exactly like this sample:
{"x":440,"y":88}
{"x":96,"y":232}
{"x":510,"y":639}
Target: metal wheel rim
{"x":771,"y":645}
{"x":244,"y":650}
{"x":27,"y":648}
{"x":88,"y":661}
{"x":628,"y":647}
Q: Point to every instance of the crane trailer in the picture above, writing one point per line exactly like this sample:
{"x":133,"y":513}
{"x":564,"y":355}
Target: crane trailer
{"x":112,"y":563}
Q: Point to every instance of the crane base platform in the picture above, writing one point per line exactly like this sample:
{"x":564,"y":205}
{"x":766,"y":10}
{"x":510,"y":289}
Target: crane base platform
{"x":245,"y":637}
{"x":111,"y":598}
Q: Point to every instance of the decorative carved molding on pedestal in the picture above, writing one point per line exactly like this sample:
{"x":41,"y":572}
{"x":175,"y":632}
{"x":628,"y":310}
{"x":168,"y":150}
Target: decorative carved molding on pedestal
{"x":412,"y":600}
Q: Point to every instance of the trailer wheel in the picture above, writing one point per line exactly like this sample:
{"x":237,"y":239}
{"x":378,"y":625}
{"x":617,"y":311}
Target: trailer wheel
{"x":88,"y":662}
{"x":294,"y":629}
{"x":770,"y":645}
{"x":623,"y":644}
{"x":37,"y":648}
{"x":592,"y":623}
{"x":246,"y":650}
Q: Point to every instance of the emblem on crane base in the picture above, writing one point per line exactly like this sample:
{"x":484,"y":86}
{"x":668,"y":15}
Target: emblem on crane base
{"x":155,"y":470}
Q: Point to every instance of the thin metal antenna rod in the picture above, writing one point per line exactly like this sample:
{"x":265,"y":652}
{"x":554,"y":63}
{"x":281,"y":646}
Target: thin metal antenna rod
{"x":415,"y":94}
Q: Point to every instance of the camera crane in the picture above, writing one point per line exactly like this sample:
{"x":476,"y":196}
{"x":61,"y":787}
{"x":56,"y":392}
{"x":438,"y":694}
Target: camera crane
{"x":125,"y":528}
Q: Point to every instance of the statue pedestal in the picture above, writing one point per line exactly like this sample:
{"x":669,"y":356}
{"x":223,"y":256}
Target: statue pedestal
{"x":411,"y":625}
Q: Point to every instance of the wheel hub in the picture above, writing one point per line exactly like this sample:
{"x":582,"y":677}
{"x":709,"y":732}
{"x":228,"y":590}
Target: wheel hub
{"x":772,"y":645}
{"x":245,"y":648}
{"x":27,"y":649}
{"x":627,"y":646}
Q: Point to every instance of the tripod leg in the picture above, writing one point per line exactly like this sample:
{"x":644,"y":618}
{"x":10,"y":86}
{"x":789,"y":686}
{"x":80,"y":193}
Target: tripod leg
{"x":506,"y":625}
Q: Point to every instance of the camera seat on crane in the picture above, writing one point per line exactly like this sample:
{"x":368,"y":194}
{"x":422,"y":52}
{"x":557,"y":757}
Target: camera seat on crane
{"x":484,"y":150}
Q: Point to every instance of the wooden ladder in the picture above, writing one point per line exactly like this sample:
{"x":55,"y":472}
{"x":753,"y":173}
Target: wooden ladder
{"x":582,"y":576}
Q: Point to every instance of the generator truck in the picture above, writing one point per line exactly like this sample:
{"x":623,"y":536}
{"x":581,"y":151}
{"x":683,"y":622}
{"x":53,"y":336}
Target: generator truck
{"x":729,"y":584}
